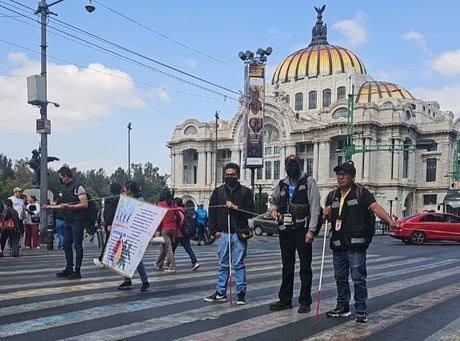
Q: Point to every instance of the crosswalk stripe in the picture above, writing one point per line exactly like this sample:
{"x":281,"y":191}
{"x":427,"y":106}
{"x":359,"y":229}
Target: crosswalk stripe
{"x":451,"y":332}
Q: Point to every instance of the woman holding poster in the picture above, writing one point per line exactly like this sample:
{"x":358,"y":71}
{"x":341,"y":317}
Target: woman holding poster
{"x":132,"y":189}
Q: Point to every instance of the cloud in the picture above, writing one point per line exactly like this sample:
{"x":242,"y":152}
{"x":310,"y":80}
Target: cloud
{"x":417,"y":37}
{"x":353,"y":30}
{"x":447,"y":63}
{"x":160,"y":95}
{"x":87,"y":95}
{"x":191,"y":63}
{"x":446,"y":96}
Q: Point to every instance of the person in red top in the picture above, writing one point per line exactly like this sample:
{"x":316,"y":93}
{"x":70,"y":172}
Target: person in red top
{"x":167,"y":230}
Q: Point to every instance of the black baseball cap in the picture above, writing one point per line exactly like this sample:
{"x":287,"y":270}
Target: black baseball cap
{"x":347,"y":167}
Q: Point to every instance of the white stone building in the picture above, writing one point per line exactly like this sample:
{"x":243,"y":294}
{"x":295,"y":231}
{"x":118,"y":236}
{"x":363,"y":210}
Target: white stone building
{"x":306,"y":113}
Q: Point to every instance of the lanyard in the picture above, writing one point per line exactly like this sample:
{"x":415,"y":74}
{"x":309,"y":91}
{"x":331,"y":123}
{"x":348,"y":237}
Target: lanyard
{"x":342,"y":201}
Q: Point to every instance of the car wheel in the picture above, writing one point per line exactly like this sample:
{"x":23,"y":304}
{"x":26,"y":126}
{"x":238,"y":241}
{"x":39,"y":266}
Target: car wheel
{"x":417,"y":238}
{"x":406,"y":241}
{"x":258,"y":230}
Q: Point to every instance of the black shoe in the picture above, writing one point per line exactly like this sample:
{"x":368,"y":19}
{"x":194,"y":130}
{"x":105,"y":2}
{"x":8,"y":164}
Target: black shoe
{"x":216,"y":297}
{"x":280,"y":306}
{"x":339,"y":312}
{"x":241,"y":298}
{"x":145,"y":287}
{"x":303,"y":309}
{"x":125,"y":286}
{"x":75,"y":275}
{"x":65,"y":273}
{"x":361,"y":317}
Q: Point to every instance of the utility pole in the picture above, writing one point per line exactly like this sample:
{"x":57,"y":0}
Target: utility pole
{"x":215,"y":162}
{"x":129,"y":149}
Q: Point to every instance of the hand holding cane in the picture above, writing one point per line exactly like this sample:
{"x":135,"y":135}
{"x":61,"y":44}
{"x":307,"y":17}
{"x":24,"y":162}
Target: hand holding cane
{"x":321,"y":274}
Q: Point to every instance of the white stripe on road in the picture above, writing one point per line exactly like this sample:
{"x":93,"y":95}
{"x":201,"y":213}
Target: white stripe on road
{"x":451,"y":332}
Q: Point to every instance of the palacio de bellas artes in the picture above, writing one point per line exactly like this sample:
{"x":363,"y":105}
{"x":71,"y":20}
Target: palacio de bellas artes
{"x":323,"y":106}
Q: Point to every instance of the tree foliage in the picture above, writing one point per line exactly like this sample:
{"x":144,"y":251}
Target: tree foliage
{"x":96,"y":182}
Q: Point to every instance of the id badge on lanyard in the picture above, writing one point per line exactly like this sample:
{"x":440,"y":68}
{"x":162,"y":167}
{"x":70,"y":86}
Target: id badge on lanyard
{"x":338,"y":224}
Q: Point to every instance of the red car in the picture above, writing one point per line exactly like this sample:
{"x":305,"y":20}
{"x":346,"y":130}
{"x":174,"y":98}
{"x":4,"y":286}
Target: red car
{"x":420,"y":227}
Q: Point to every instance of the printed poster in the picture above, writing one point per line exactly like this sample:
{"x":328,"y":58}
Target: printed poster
{"x":134,"y":224}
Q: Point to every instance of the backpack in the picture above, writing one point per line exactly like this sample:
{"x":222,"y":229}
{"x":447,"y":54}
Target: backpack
{"x":319,"y":223}
{"x":189,"y":226}
{"x":91,"y":215}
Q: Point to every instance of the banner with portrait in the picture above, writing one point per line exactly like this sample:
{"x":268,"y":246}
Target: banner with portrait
{"x":134,"y":224}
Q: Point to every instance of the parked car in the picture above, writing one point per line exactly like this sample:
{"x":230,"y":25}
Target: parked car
{"x":265,"y":224}
{"x":420,"y":227}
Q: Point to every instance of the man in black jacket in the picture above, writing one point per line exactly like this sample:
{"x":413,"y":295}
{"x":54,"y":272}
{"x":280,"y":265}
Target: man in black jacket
{"x":296,"y":201}
{"x":234,"y":202}
{"x":110,"y":206}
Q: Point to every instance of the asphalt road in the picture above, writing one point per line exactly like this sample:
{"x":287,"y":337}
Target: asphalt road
{"x":413,"y":295}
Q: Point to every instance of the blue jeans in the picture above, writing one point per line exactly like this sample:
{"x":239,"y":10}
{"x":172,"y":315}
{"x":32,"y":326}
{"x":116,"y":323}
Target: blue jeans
{"x":73,"y":234}
{"x":60,"y":231}
{"x":185,"y":241}
{"x":352,"y":262}
{"x":239,"y":249}
{"x":142,"y":273}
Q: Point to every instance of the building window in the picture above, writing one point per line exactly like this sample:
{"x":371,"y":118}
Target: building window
{"x":339,"y":160}
{"x":268,"y":170}
{"x":340,"y":145}
{"x":341,"y":93}
{"x":276,"y":170}
{"x":405,"y":170}
{"x":225,"y":154}
{"x":259,"y":174}
{"x":430,"y":199}
{"x":302,"y":164}
{"x":185,"y":179}
{"x":195,"y":156}
{"x":312,"y":99}
{"x":430,"y":170}
{"x":326,"y":98}
{"x":276,"y":150}
{"x":268,"y":150}
{"x":301,"y":148}
{"x":195,"y":174}
{"x":309,"y":147}
{"x":299,"y":101}
{"x":309,"y":169}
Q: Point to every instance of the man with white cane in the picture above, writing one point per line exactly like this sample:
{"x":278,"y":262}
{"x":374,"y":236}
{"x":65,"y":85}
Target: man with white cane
{"x":230,"y":207}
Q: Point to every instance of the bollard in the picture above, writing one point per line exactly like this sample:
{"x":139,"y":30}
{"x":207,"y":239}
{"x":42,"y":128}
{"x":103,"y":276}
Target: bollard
{"x":49,"y":238}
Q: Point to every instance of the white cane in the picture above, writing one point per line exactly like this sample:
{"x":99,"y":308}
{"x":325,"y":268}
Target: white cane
{"x":229,"y":257}
{"x":321,"y":275}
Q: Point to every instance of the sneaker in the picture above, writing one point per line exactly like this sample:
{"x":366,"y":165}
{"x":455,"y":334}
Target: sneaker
{"x":65,"y":273}
{"x":361,"y":317}
{"x":74,"y":275}
{"x":91,"y":238}
{"x":280,"y":306}
{"x":339,"y":312}
{"x":98,"y":263}
{"x":216,"y":297}
{"x":125,"y":286}
{"x":38,"y":247}
{"x":157,"y":266}
{"x":241,"y":298}
{"x":195,"y":266}
{"x":303,"y":309}
{"x":145,"y":287}
{"x":170,"y":270}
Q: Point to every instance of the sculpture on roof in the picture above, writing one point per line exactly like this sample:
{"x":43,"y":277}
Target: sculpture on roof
{"x":34,"y":163}
{"x":319,"y":31}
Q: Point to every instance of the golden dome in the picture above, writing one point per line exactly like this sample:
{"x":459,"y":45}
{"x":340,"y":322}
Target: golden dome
{"x":316,"y":60}
{"x":373,"y":91}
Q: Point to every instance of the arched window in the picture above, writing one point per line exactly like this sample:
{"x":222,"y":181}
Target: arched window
{"x":312,"y":99}
{"x":326,"y":98}
{"x":341,"y":93}
{"x":299,"y":101}
{"x":190,"y":130}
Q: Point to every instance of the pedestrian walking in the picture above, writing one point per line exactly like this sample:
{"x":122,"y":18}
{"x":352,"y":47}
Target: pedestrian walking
{"x":295,"y":203}
{"x":351,"y":209}
{"x":230,"y":207}
{"x":19,"y":205}
{"x":10,"y":228}
{"x":32,"y":219}
{"x":201,"y":216}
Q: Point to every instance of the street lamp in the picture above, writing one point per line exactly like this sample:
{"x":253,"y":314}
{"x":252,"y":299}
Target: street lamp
{"x":129,"y":149}
{"x":254,"y":108}
{"x":215,"y":163}
{"x":39,"y":84}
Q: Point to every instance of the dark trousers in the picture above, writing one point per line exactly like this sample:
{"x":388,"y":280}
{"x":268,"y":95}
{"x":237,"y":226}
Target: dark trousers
{"x":185,"y":241}
{"x":14,"y":240}
{"x":73,"y":234}
{"x":290,"y":242}
{"x":107,"y":236}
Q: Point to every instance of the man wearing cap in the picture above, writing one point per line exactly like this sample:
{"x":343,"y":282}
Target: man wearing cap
{"x":295,"y":203}
{"x":20,"y":207}
{"x":201,"y":216}
{"x":350,"y":208}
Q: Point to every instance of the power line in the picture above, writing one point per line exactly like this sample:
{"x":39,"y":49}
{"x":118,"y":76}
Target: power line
{"x":166,"y":37}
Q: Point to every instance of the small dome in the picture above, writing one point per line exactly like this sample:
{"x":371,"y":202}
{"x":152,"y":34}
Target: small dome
{"x":317,"y":60}
{"x":373,"y":91}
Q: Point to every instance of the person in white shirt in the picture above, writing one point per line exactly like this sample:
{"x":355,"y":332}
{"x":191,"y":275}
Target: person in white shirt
{"x":31,"y":238}
{"x":18,"y":205}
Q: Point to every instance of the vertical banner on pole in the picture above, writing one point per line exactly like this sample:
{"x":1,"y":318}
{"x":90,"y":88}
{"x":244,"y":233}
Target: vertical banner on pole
{"x":254,"y":115}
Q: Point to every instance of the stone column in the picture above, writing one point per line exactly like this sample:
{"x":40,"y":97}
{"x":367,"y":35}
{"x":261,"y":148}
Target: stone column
{"x":208,"y":168}
{"x":201,"y":176}
{"x":180,"y":169}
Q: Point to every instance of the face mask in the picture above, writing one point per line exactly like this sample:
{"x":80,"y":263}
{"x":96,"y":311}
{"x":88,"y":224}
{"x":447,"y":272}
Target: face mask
{"x":62,"y":181}
{"x":293,"y":170}
{"x":231,"y":182}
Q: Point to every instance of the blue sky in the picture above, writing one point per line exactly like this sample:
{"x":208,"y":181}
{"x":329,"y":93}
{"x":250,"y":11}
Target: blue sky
{"x":411,"y":43}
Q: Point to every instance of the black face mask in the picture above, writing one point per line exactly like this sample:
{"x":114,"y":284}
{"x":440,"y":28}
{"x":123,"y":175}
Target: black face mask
{"x":293,"y":170}
{"x":231,"y":182}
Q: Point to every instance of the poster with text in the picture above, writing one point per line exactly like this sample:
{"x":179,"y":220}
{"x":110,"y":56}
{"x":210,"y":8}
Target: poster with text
{"x":134,"y":224}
